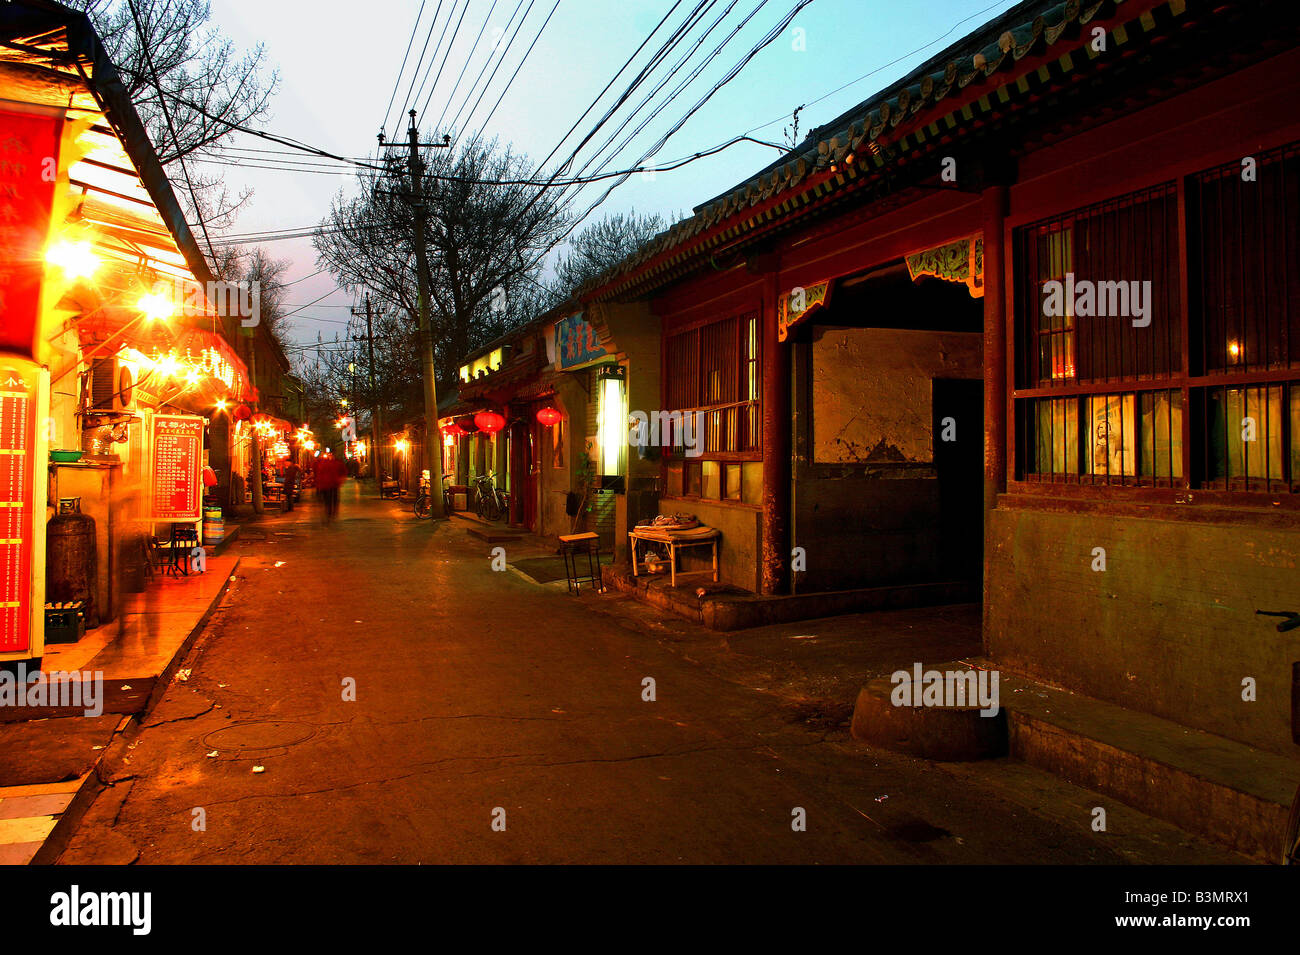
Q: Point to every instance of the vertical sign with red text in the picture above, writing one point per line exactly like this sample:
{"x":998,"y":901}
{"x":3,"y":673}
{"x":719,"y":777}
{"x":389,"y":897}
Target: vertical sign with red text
{"x":177,"y":461}
{"x":29,"y":149}
{"x":18,"y":414}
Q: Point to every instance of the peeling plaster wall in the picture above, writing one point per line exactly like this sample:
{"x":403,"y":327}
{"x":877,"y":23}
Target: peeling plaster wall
{"x":871,"y":395}
{"x":867,"y":506}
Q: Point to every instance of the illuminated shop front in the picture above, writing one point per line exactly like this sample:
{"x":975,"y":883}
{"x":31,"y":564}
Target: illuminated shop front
{"x":110,"y":342}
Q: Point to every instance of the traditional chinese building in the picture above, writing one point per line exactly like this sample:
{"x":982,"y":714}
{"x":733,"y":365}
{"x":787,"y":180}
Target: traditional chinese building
{"x":1026,"y":321}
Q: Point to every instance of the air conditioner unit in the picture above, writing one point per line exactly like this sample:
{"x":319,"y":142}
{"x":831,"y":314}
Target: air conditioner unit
{"x":112,"y":386}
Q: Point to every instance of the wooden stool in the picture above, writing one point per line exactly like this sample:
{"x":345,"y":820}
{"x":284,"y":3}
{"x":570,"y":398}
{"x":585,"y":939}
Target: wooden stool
{"x":573,"y":546}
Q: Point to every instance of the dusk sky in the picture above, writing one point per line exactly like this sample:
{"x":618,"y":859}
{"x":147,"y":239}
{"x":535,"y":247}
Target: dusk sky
{"x":339,"y":64}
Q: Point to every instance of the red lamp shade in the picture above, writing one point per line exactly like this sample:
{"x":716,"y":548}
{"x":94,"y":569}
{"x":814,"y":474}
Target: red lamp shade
{"x":489,"y":422}
{"x":243,"y":413}
{"x":453,"y":430}
{"x":549,"y":416}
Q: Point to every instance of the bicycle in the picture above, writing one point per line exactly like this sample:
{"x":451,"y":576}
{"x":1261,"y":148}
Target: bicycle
{"x":1291,"y":838}
{"x":489,"y":503}
{"x":424,"y":502}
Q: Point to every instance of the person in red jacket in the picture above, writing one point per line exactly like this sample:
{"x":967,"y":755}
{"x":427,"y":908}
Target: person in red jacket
{"x":329,"y":478}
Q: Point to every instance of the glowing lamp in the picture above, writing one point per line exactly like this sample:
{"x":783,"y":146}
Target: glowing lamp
{"x":155,"y":306}
{"x":76,"y":259}
{"x":549,"y":416}
{"x":489,"y":422}
{"x":612,"y":430}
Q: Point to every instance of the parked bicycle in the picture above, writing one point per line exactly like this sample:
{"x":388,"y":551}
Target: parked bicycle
{"x":490,"y":502}
{"x":424,"y":501}
{"x":1291,"y":838}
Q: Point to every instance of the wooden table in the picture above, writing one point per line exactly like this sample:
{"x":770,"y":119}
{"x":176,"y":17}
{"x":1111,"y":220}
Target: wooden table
{"x":676,"y":540}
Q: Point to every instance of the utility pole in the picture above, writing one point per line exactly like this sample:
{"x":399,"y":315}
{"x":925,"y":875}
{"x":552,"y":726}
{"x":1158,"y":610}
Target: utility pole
{"x":374,"y":399}
{"x":432,"y":436}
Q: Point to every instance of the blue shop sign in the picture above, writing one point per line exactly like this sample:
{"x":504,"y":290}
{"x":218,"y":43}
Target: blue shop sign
{"x":575,"y":342}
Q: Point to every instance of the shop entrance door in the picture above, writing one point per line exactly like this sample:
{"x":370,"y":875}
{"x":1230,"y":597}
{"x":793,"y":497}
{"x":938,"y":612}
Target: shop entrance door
{"x":959,"y":463}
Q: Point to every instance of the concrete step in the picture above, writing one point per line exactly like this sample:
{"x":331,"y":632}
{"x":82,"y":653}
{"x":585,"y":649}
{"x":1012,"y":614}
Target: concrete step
{"x":485,"y":530}
{"x":721,"y":607}
{"x":1228,"y":792}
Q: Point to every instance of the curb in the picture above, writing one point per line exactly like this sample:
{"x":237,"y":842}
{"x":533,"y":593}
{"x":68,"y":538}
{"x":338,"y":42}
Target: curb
{"x":91,"y":786}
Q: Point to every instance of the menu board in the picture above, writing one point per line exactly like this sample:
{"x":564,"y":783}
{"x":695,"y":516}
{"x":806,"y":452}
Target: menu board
{"x":18,"y":412}
{"x":29,"y":149}
{"x":177,"y":461}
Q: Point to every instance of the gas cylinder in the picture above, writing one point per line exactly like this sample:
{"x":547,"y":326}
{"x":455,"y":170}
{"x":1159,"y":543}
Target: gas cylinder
{"x":72,"y":558}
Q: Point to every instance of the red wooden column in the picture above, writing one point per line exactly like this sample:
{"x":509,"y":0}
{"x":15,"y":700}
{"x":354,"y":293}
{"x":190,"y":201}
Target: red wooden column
{"x":995,"y":349}
{"x":774,"y":547}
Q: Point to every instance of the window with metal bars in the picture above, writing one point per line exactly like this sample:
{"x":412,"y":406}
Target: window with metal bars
{"x":1243,"y":255}
{"x":713,"y":370}
{"x":1205,"y":395}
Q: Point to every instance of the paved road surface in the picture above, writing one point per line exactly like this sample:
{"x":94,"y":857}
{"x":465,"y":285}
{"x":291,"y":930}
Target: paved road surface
{"x":480,"y":695}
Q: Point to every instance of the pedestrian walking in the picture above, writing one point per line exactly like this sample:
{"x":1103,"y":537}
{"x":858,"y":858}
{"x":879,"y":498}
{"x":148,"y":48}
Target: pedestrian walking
{"x":329,"y":477}
{"x":291,"y":472}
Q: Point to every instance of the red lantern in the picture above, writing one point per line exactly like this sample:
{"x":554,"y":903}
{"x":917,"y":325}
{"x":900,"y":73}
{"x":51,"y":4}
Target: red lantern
{"x":549,"y":416}
{"x":489,"y":422}
{"x":243,"y":413}
{"x":453,"y":430}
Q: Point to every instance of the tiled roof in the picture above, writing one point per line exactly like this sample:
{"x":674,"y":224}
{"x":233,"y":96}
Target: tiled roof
{"x":962,"y":87}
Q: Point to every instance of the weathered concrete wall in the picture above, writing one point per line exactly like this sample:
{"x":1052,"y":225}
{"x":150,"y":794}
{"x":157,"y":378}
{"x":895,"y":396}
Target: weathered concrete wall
{"x":871,"y":393}
{"x":738,"y":549}
{"x":866,"y":501}
{"x":1169,"y":627}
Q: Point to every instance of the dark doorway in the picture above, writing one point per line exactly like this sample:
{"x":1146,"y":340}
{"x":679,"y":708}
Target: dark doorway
{"x":959,"y":463}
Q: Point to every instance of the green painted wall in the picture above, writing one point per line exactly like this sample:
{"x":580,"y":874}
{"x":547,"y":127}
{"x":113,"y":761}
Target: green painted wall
{"x":1169,"y":627}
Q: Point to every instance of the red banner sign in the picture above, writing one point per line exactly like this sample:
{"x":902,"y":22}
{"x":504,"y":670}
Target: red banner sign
{"x":18,"y":414}
{"x":29,"y":151}
{"x":177,"y":460}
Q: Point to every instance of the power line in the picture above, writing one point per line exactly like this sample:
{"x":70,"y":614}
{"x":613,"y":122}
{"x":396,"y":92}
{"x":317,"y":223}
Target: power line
{"x":663,"y":50}
{"x":461,"y":75}
{"x":445,"y":57}
{"x":785,"y":116}
{"x":527,"y":52}
{"x":483,"y":69}
{"x":416,"y":72}
{"x":402,"y":69}
{"x":500,"y":62}
{"x":730,"y":75}
{"x":298,"y":232}
{"x":434,"y":59}
{"x":673,"y":72}
{"x":148,"y":56}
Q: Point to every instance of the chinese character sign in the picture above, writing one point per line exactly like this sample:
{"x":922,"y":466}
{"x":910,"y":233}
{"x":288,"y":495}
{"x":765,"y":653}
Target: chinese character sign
{"x":575,"y":342}
{"x":19,"y":409}
{"x":177,"y":460}
{"x":29,"y":149}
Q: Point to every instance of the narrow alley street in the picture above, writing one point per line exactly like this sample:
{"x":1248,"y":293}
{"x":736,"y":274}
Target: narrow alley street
{"x":483,"y":697}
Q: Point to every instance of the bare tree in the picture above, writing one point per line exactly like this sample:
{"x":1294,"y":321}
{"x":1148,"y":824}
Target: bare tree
{"x":598,"y":247}
{"x":238,"y":264}
{"x":209,"y":85}
{"x":485,"y":238}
